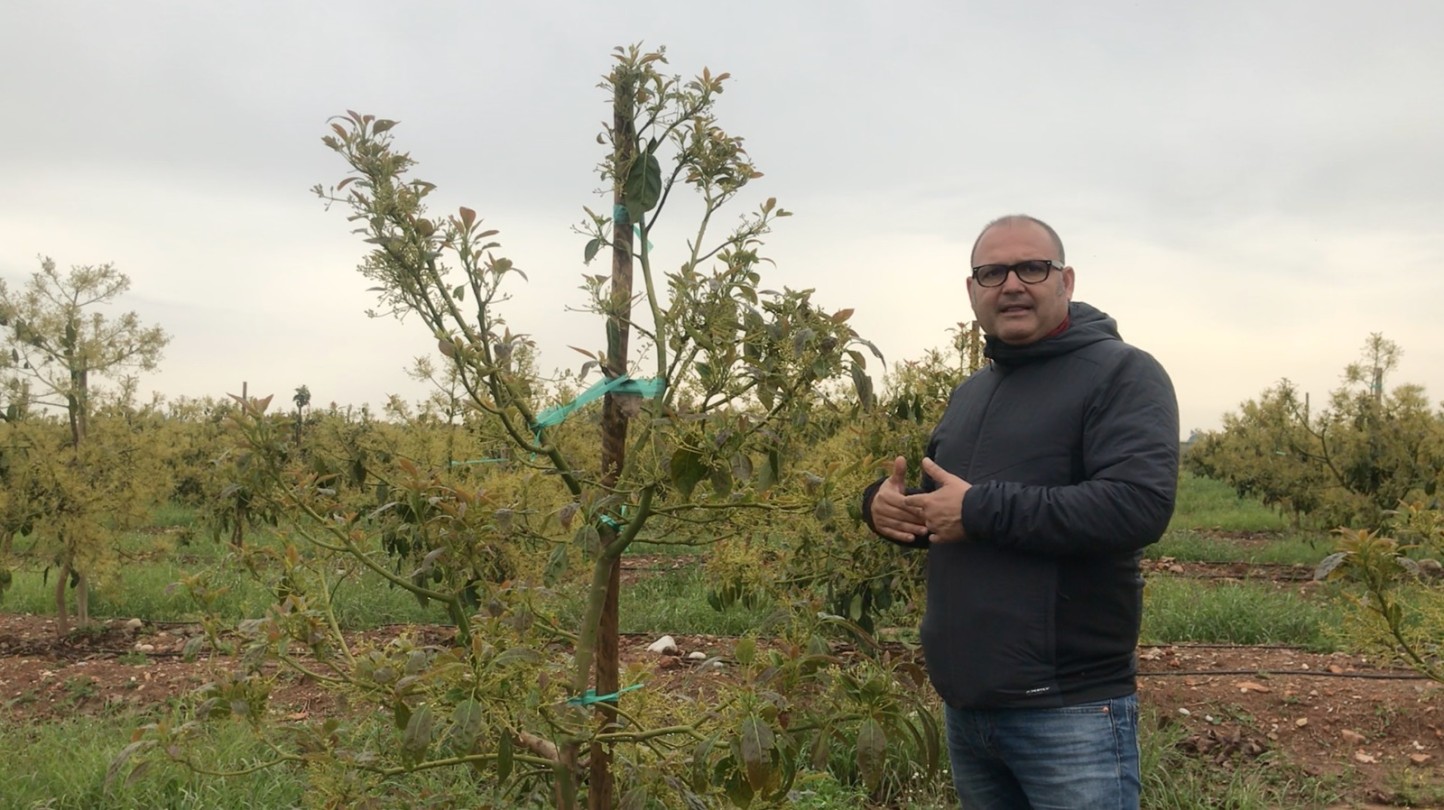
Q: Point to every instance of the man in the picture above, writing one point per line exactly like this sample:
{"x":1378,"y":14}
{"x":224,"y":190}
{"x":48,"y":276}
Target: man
{"x":1049,"y":472}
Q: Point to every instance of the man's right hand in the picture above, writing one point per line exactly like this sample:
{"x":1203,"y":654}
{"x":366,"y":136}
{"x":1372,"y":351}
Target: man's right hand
{"x":891,"y":516}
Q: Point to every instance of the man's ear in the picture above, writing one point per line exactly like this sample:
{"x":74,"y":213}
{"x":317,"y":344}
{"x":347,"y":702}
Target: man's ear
{"x":1068,"y":282}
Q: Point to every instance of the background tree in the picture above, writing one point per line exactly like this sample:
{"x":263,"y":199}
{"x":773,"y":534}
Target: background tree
{"x":56,"y":346}
{"x":1347,"y":464}
{"x":56,"y":340}
{"x":302,"y":398}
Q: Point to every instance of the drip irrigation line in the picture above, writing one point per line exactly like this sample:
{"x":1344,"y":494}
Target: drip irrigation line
{"x":1274,"y":673}
{"x":1208,"y":645}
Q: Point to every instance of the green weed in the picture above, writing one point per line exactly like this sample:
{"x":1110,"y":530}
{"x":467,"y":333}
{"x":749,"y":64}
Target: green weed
{"x":1179,"y":610}
{"x":1204,"y":503}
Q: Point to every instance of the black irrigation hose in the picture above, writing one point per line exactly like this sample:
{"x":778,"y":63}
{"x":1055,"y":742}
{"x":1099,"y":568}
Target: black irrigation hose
{"x":1194,"y":645}
{"x":1273,"y":673}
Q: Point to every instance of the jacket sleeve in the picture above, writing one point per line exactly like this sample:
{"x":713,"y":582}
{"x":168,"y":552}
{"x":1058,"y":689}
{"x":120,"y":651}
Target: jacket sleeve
{"x":1125,"y":499}
{"x":919,"y":542}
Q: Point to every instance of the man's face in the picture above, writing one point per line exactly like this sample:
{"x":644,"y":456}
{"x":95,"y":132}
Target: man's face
{"x":1014,"y":312}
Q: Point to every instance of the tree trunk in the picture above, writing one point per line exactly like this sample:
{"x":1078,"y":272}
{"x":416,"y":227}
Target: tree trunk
{"x":82,"y":600}
{"x":62,"y":615}
{"x":601,"y":792}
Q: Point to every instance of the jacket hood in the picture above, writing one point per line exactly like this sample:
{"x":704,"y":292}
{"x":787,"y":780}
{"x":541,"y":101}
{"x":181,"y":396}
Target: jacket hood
{"x":1086,"y":325}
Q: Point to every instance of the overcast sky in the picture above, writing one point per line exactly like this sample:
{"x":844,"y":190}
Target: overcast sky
{"x":1250,"y":188}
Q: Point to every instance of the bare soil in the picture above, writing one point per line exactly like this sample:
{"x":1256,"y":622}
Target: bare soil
{"x":1330,"y":715}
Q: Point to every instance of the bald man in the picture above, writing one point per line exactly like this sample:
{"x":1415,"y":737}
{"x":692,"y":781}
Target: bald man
{"x":1051,"y":469}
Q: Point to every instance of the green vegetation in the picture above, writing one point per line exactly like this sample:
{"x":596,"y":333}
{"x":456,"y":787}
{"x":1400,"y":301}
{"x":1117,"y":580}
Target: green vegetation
{"x":64,"y":765}
{"x":1234,"y":613}
{"x":1289,"y":548}
{"x":1204,"y":503}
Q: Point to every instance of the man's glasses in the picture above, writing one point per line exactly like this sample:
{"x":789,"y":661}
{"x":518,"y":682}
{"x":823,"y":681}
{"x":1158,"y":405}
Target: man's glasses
{"x":1029,"y":272}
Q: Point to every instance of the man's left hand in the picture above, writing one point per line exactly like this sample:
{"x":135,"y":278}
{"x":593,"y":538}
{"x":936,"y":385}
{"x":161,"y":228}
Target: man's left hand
{"x":942,"y":509}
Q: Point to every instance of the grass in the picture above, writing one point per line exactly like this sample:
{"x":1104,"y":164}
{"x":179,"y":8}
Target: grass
{"x":63,"y":765}
{"x":1204,"y":503}
{"x":1288,"y":548}
{"x":676,"y":604}
{"x":153,"y":561}
{"x":1181,"y":610}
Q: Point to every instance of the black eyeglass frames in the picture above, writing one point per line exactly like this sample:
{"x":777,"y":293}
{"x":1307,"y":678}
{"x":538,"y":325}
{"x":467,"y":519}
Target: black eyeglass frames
{"x":1029,"y":272}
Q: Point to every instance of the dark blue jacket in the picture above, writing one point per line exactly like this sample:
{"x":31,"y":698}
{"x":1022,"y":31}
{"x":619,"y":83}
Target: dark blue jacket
{"x":1071,"y":445}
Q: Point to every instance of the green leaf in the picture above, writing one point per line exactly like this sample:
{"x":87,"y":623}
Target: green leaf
{"x":771,"y":471}
{"x":589,"y":540}
{"x":738,"y":791}
{"x":125,"y":756}
{"x":741,"y":467}
{"x":1328,"y":565}
{"x":687,"y":470}
{"x":525,"y":655}
{"x":643,"y":187}
{"x":419,"y":730}
{"x":188,"y":652}
{"x":556,"y":565}
{"x":932,"y":741}
{"x":634,"y":799}
{"x":505,"y":756}
{"x":722,"y":480}
{"x":871,"y":753}
{"x":591,"y":251}
{"x":820,"y":749}
{"x":863,"y":384}
{"x":466,"y":722}
{"x":701,"y":760}
{"x":756,"y":747}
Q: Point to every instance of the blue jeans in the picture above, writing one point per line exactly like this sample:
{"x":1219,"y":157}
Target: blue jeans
{"x":1082,"y":757}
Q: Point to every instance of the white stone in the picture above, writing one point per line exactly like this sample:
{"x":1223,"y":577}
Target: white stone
{"x":697,"y":656}
{"x":666,"y":645}
{"x":134,"y":625}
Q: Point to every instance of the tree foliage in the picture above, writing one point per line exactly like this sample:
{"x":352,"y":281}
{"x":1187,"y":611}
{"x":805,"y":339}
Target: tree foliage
{"x":75,"y":491}
{"x":712,"y":385}
{"x":55,"y":340}
{"x":1348,"y":463}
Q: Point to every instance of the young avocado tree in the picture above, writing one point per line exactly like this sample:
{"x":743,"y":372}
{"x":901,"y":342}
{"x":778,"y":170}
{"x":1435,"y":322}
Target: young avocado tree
{"x":707,"y":381}
{"x":54,"y":348}
{"x":729,"y":364}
